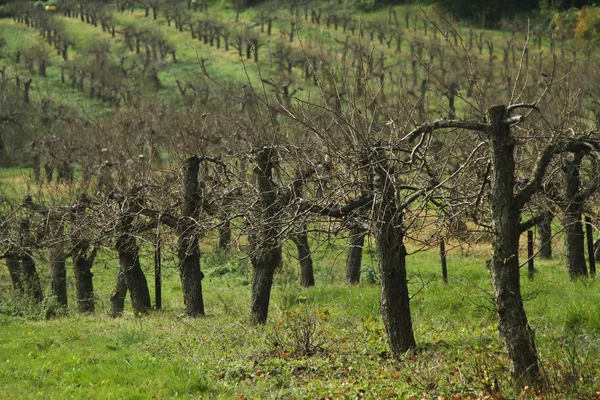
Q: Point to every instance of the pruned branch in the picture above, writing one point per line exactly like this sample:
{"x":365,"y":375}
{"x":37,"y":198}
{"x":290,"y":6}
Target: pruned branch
{"x":333,"y":211}
{"x":446,"y":124}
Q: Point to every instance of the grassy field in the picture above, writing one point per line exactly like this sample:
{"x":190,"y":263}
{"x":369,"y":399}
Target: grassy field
{"x":327,"y":341}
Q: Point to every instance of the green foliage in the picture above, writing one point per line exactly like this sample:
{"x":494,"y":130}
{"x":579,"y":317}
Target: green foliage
{"x":581,"y":24}
{"x":484,"y":10}
{"x":365,"y":5}
{"x":4,"y":12}
{"x":25,"y":307}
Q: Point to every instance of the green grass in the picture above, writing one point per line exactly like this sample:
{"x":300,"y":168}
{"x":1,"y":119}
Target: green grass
{"x":167,"y":355}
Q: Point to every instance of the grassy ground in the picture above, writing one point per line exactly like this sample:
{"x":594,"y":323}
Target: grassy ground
{"x":326,"y":341}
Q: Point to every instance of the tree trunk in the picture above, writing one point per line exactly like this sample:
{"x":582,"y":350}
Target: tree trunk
{"x":225,"y":233}
{"x":262,"y":282}
{"x":575,"y":246}
{"x":574,"y":238}
{"x":14,"y":269}
{"x":31,"y":279}
{"x":48,"y":169}
{"x":36,"y":166}
{"x":129,"y":263}
{"x":265,"y":246}
{"x":83,"y":256}
{"x":83,"y":278}
{"x":191,"y":275}
{"x":518,"y":337}
{"x":307,"y":277}
{"x":189,"y":249}
{"x":117,"y":297}
{"x":395,"y":302}
{"x":129,"y":260}
{"x":157,"y":274}
{"x":355,"y":250}
{"x":545,"y":240}
{"x":59,"y":276}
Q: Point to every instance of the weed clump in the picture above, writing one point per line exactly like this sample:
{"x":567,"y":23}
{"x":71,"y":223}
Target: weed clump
{"x":300,"y":333}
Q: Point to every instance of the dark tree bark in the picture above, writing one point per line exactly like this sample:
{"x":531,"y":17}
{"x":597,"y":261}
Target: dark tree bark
{"x":129,"y":261}
{"x":58,"y":261}
{"x":36,"y":166}
{"x":395,"y":307}
{"x":517,"y":335}
{"x":225,"y":233}
{"x":31,"y":279}
{"x":307,"y":277}
{"x":187,"y":230}
{"x":545,"y":239}
{"x":29,"y":276}
{"x":117,"y":297}
{"x":82,"y":263}
{"x":266,"y":252}
{"x":48,"y":169}
{"x":157,"y":273}
{"x":83,"y":256}
{"x":189,"y":249}
{"x":589,"y":235}
{"x":15,"y":271}
{"x":355,"y":250}
{"x":574,"y":238}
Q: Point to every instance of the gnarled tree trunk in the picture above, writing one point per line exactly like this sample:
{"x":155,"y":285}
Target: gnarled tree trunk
{"x":58,"y":260}
{"x":355,"y":250}
{"x":545,"y":239}
{"x":307,"y":277}
{"x":129,"y":263}
{"x":29,"y":276}
{"x":389,"y":235}
{"x":189,"y":249}
{"x":117,"y":297}
{"x":517,"y":335}
{"x":129,"y":260}
{"x":265,"y":245}
{"x":31,"y":279}
{"x":84,"y":284}
{"x":14,"y":270}
{"x":574,"y":237}
{"x":58,"y":283}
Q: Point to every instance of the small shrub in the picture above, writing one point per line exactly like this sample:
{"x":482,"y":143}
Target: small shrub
{"x":23,"y":307}
{"x":222,"y":264}
{"x":370,"y":274}
{"x":300,"y":333}
{"x":51,"y":308}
